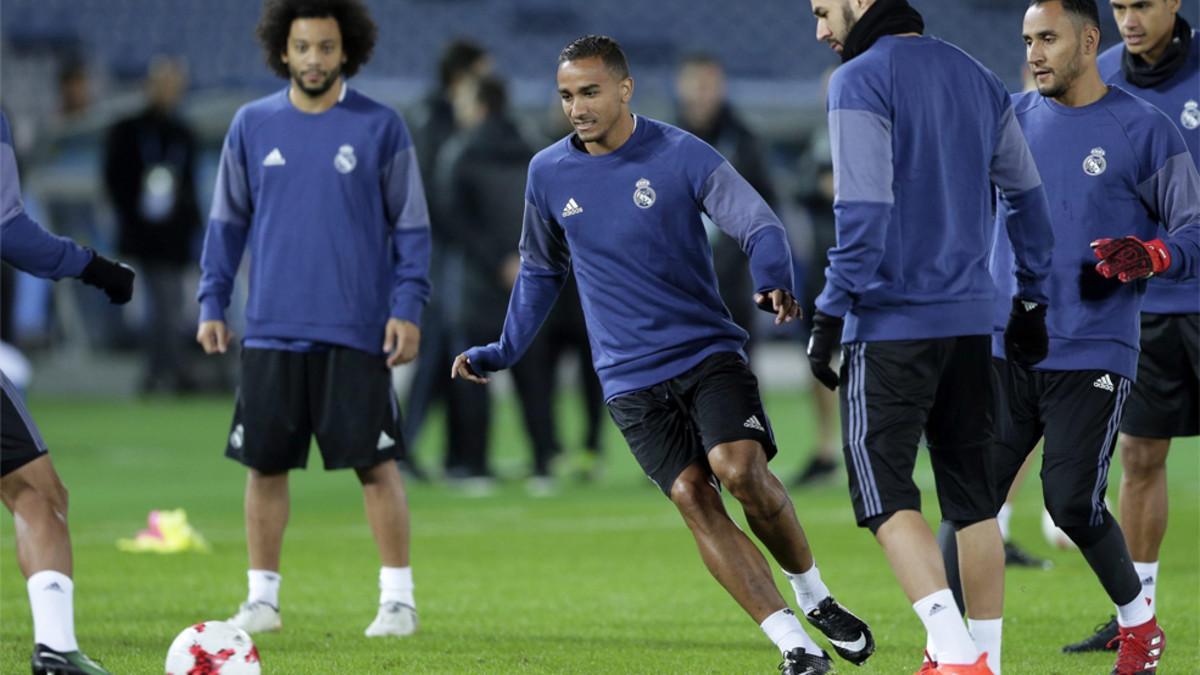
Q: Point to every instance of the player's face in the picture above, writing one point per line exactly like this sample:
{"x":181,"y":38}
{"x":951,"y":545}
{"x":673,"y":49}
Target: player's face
{"x":314,"y":55}
{"x":835,"y":18}
{"x":593,"y":98}
{"x":1052,"y":48}
{"x":1144,"y":24}
{"x":701,"y":91}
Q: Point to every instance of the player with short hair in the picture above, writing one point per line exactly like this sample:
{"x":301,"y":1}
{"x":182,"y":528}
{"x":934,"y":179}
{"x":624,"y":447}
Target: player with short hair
{"x":29,"y":485}
{"x":1159,"y":62}
{"x":322,"y":184}
{"x":1114,"y":168}
{"x":919,"y":131}
{"x":620,"y":200}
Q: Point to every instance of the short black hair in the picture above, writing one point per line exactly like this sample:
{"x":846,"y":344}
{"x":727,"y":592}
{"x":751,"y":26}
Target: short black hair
{"x":1082,"y":10}
{"x":354,"y":22}
{"x":602,"y":46}
{"x":458,"y":56}
{"x":701,"y":59}
{"x":492,"y":93}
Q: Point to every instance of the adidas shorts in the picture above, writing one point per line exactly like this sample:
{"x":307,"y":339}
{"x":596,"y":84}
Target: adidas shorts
{"x":1165,"y":402}
{"x":1076,"y":413}
{"x":20,"y":442}
{"x":675,"y":423}
{"x":893,"y":391}
{"x":341,"y":396}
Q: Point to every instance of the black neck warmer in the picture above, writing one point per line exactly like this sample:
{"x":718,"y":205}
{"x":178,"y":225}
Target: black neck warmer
{"x":1144,"y":75}
{"x":885,"y":17}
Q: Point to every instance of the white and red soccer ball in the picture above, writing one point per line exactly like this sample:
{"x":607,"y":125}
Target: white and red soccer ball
{"x":213,"y":648}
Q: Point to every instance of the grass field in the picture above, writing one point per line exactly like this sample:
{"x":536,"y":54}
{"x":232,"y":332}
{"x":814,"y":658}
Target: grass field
{"x":598,"y":578}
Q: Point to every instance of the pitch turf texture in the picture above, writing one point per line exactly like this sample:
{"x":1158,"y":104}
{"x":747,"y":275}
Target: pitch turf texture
{"x":600,"y":578}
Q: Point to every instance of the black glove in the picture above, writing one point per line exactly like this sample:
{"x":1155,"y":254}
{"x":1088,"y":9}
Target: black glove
{"x":114,"y":278}
{"x":826,"y":336}
{"x":1025,"y":339}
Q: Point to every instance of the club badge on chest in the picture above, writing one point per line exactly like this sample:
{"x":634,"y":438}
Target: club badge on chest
{"x":345,"y":161}
{"x":643,"y":194}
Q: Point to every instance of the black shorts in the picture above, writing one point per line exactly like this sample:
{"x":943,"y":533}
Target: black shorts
{"x":1078,"y":413}
{"x":674,"y":424}
{"x":890,"y":393}
{"x":1166,"y":398}
{"x":342,"y":396}
{"x":20,"y":442}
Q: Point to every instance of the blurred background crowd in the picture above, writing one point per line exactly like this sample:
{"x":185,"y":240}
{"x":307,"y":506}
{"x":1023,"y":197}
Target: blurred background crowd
{"x":119,"y":109}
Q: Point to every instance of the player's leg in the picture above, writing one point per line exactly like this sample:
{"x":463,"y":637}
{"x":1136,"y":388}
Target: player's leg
{"x":37,"y":499}
{"x":887,"y":390}
{"x":656,"y":424}
{"x":727,"y":411}
{"x":357,"y":422}
{"x":978,"y":443}
{"x":1014,"y":554}
{"x":1165,"y":402}
{"x":270,"y":434}
{"x":1081,"y":428}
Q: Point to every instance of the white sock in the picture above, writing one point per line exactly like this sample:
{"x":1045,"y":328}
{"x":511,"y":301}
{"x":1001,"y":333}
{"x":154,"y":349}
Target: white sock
{"x":1135,"y":613}
{"x":264,"y":587}
{"x":1003,"y":518}
{"x":987,"y":637}
{"x":51,"y":597}
{"x":785,"y":631}
{"x":943,"y":623}
{"x":396,"y":585}
{"x":809,"y":588}
{"x":1148,"y":573}
{"x":930,"y":647}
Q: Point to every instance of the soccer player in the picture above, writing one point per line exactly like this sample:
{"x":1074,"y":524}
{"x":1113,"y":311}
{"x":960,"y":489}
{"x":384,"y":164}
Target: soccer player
{"x":1115,"y":168}
{"x":919,"y":130}
{"x":321,"y":182}
{"x":620,"y":200}
{"x":29,"y":485}
{"x":1159,"y":62}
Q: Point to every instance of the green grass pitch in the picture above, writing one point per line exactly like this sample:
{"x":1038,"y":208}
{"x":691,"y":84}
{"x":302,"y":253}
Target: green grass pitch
{"x":599,"y":578}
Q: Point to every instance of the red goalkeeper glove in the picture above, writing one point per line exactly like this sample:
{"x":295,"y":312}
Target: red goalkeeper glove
{"x":1130,"y":258}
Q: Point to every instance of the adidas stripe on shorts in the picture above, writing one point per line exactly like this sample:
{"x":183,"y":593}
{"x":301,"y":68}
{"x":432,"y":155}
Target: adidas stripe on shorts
{"x":675,"y":423}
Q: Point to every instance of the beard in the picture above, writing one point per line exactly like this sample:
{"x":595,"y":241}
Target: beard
{"x":322,"y":87}
{"x":1063,"y":79}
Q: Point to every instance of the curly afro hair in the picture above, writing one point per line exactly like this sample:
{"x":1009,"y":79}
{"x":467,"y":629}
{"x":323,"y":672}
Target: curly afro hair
{"x":354,"y":22}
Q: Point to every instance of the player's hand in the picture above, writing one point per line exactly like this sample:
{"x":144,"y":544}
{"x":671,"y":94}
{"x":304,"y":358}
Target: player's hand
{"x":214,"y":336}
{"x":1025,"y":339}
{"x":780,"y":303}
{"x":462,"y":368}
{"x":826,"y":336}
{"x":1130,"y":258}
{"x":112,"y":277}
{"x":402,"y":341}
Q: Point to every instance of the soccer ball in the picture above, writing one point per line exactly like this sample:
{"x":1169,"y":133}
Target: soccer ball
{"x":1055,"y":536}
{"x":213,"y":647}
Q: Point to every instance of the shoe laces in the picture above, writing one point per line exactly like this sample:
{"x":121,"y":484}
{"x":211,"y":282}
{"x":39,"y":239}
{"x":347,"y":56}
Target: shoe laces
{"x":1133,"y":654}
{"x":833,"y":613}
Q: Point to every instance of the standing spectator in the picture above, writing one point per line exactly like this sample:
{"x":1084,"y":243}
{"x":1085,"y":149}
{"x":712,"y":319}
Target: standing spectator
{"x":149,"y":173}
{"x":462,"y":61}
{"x":705,"y":111}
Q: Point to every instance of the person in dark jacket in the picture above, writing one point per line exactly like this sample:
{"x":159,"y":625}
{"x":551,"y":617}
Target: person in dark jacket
{"x":149,"y":173}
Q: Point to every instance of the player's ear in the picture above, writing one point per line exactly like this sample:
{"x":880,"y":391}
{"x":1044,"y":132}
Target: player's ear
{"x":1091,"y":40}
{"x":626,"y":89}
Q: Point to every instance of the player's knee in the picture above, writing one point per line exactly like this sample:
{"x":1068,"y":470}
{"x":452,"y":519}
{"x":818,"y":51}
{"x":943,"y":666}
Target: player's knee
{"x":739,"y":466}
{"x":1067,"y":512}
{"x":1143,"y":456}
{"x":692,"y":494}
{"x":1084,"y":536}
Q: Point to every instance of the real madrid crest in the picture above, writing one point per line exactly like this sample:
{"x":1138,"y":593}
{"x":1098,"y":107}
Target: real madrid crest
{"x":643,"y":195}
{"x":345,"y":161}
{"x":1191,"y":115}
{"x":1095,"y":164}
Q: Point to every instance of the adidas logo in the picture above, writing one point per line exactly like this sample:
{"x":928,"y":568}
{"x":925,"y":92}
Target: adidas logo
{"x":1104,"y":383}
{"x":274,"y":158}
{"x":1029,"y":306}
{"x":571,"y":209}
{"x":385,"y":441}
{"x":937,"y":607}
{"x":1148,"y":581}
{"x":54,"y":587}
{"x":753,"y":423}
